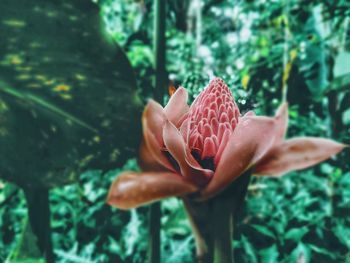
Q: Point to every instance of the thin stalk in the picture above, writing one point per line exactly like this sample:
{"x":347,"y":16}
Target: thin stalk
{"x":285,"y":74}
{"x":198,"y":7}
{"x":160,"y":84}
{"x":154,"y":233}
{"x":39,"y":218}
{"x":345,"y":33}
{"x":159,"y":49}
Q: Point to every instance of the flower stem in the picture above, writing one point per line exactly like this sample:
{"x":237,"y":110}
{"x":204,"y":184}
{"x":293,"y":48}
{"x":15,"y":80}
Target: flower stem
{"x":212,"y":221}
{"x":160,"y":84}
{"x":39,"y":218}
{"x":154,"y":233}
{"x":159,"y":50}
{"x":212,"y":228}
{"x":222,"y":234}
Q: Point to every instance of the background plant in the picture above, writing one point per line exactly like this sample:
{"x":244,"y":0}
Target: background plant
{"x":259,"y":48}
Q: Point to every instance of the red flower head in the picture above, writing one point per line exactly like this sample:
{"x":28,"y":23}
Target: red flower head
{"x":202,"y":149}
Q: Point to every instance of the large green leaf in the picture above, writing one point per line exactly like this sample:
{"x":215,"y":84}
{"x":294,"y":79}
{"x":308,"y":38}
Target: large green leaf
{"x":313,"y":66}
{"x":67,"y":93}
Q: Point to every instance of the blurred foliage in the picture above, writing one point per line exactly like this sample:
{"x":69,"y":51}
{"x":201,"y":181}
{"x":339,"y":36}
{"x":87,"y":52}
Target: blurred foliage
{"x":259,"y":48}
{"x":61,"y":83}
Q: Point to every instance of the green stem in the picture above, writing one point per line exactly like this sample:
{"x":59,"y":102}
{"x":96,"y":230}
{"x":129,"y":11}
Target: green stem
{"x":159,"y":49}
{"x":197,"y":214}
{"x":154,"y":234}
{"x":39,"y":219}
{"x":212,"y":227}
{"x":222,"y":234}
{"x":286,"y":50}
{"x":212,"y":221}
{"x":160,"y":84}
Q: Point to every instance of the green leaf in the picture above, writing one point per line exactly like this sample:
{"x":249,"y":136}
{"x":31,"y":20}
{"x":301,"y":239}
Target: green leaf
{"x":300,"y":251}
{"x":28,"y":261}
{"x":342,"y":64}
{"x":264,"y":230}
{"x":342,"y":233}
{"x":67,"y":93}
{"x":314,"y":67}
{"x":249,"y":250}
{"x":27,"y":249}
{"x":296,"y":234}
{"x":323,"y":251}
{"x":346,"y":117}
{"x":269,"y":255}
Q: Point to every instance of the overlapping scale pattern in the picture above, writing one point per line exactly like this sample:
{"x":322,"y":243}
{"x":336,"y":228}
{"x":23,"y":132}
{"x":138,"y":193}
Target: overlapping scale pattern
{"x":212,"y":119}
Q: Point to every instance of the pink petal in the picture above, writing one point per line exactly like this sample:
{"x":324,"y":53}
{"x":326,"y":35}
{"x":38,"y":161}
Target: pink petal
{"x":185,"y":128}
{"x":223,"y":118}
{"x":207,"y":131}
{"x":215,"y":125}
{"x":182,"y":120}
{"x":209,"y":148}
{"x":177,"y":106}
{"x":132,"y":189}
{"x":153,"y":120}
{"x":250,"y":113}
{"x":282,"y":122}
{"x":297,"y":154}
{"x":221,"y":131}
{"x":250,"y":140}
{"x":147,"y":162}
{"x":223,"y":143}
{"x":177,"y":147}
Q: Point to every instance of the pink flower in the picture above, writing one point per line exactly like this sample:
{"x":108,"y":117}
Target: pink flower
{"x":203,"y":148}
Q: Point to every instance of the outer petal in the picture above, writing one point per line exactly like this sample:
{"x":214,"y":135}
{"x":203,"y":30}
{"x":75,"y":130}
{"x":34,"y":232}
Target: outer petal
{"x":153,"y":121}
{"x":177,"y":147}
{"x":132,"y":189}
{"x":147,"y":161}
{"x":249,"y":113}
{"x":184,"y":129}
{"x":297,"y":154}
{"x":251,"y":139}
{"x":282,"y":122}
{"x":177,"y":106}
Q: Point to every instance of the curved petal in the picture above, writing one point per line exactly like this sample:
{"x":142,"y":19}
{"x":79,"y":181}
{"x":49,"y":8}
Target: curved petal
{"x":297,"y":154}
{"x":177,"y":106}
{"x":282,"y":122}
{"x":185,"y":129}
{"x":177,"y":147}
{"x":147,"y":162}
{"x":251,"y":139}
{"x":249,"y":113}
{"x":132,"y":189}
{"x":153,"y":121}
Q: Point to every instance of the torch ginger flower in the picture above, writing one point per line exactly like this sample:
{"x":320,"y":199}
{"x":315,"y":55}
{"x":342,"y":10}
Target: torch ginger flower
{"x":203,"y":148}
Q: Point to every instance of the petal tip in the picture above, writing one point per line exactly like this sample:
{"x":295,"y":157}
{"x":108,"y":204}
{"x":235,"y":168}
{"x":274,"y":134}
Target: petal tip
{"x":181,"y":90}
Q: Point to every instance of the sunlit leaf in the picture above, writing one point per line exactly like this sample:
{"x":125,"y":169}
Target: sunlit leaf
{"x":269,"y":255}
{"x":296,"y":234}
{"x":264,"y":230}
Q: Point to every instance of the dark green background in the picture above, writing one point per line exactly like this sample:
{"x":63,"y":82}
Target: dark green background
{"x":305,"y":214}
